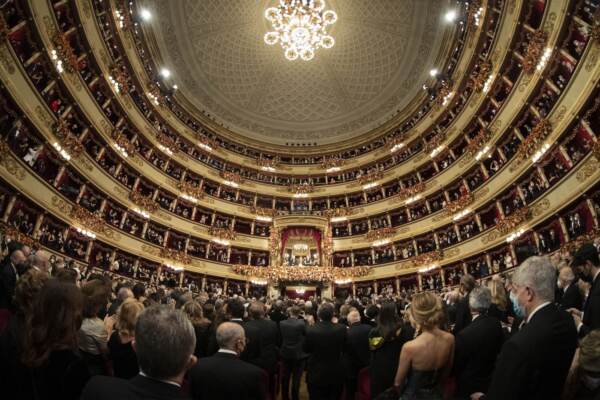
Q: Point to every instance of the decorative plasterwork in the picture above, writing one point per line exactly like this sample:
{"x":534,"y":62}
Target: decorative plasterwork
{"x":383,"y":51}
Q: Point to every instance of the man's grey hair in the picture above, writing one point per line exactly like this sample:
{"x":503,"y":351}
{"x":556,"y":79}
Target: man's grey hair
{"x":164,"y":341}
{"x":538,"y":274}
{"x":228,"y":333}
{"x":567,"y":274}
{"x":124,"y":293}
{"x":480,"y":299}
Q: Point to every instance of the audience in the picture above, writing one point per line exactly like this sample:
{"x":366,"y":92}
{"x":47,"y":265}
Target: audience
{"x":55,"y":369}
{"x":426,"y":360}
{"x":120,"y":347}
{"x":386,"y":341}
{"x":164,"y":344}
{"x":325,"y":342}
{"x":534,"y":362}
{"x":224,"y":375}
{"x":151,"y":349}
{"x":293,"y":358}
{"x":477,"y":346}
{"x":356,"y":354}
{"x":463,"y":314}
{"x":587,"y":264}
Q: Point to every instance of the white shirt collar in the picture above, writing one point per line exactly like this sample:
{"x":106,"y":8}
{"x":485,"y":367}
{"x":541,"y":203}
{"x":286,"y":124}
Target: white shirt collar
{"x":160,"y":380}
{"x":536,"y":310}
{"x":596,"y":275}
{"x":227,"y":351}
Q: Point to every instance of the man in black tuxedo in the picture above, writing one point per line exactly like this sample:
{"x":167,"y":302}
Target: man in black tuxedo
{"x":234,"y":312}
{"x":477,"y":346}
{"x":357,"y":354}
{"x":569,"y":294}
{"x":224,"y":375}
{"x":293,"y":332}
{"x":533,"y":364}
{"x":9,"y":273}
{"x":262,"y":339}
{"x":463,"y":313}
{"x":587,"y":264}
{"x":164,"y":343}
{"x":325,"y":342}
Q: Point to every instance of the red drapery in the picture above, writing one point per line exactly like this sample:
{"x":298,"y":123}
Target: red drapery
{"x":301,"y":232}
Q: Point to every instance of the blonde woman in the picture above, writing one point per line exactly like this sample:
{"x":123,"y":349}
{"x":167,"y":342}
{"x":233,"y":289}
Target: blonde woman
{"x":202,"y":326}
{"x":499,"y":306}
{"x":426,"y":360}
{"x":123,"y":356}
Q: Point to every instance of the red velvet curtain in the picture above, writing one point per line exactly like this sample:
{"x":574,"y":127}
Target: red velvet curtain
{"x":310,"y":232}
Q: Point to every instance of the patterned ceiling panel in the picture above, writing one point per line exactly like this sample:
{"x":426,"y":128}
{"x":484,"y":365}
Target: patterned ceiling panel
{"x":384,"y":50}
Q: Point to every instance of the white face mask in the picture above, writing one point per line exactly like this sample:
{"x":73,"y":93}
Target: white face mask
{"x":590,"y":382}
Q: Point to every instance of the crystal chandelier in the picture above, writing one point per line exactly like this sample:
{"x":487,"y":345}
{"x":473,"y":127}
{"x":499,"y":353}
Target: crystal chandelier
{"x":300,"y":26}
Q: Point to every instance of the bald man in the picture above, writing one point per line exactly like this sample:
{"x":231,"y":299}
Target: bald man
{"x":224,"y":376}
{"x":356,"y":354}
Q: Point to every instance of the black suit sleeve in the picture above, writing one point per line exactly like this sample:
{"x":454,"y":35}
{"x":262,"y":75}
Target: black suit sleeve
{"x":591,"y":318}
{"x":511,"y":373}
{"x":461,"y":353}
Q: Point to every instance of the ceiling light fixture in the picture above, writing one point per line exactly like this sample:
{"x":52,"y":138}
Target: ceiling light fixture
{"x":433,"y":73}
{"x":451,"y":16}
{"x":165,"y":73}
{"x":145,"y":14}
{"x":300,"y":27}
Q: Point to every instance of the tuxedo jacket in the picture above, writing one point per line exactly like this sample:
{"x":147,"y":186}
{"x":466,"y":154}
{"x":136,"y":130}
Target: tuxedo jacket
{"x":357,"y":353}
{"x":475,"y":352}
{"x":325,"y":343}
{"x":591,"y":309}
{"x":261,"y":350}
{"x":533,"y":364}
{"x":463,"y":314}
{"x":224,"y":376}
{"x":571,"y":298}
{"x":137,"y":388}
{"x":293,"y":332}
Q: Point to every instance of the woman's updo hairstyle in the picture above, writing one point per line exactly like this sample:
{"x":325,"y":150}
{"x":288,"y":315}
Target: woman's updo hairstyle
{"x":426,"y":309}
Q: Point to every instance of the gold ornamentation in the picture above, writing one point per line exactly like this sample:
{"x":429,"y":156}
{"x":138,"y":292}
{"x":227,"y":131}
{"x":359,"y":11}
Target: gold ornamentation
{"x":302,"y":188}
{"x":222,"y":233}
{"x":459,"y":204}
{"x":167,"y":142}
{"x":478,"y":78}
{"x":532,"y":142}
{"x":427,"y":258}
{"x":338,"y":212}
{"x":508,"y":224}
{"x":535,"y":50}
{"x":190,"y":189}
{"x":6,"y":59}
{"x":121,"y":77}
{"x":301,"y":274}
{"x":68,"y":140}
{"x":444,"y":93}
{"x":595,"y":29}
{"x":9,"y":163}
{"x":144,"y":202}
{"x":596,"y":150}
{"x":87,"y":219}
{"x":478,"y":142}
{"x":472,"y":11}
{"x":434,"y":143}
{"x":411,"y":191}
{"x":232,"y":177}
{"x":588,"y":170}
{"x":123,"y":142}
{"x":206,"y":142}
{"x":65,"y":52}
{"x":4,"y":29}
{"x":262,"y":211}
{"x":380,"y":234}
{"x":370,"y":177}
{"x":177,"y":256}
{"x":15,"y":235}
{"x":332,"y":162}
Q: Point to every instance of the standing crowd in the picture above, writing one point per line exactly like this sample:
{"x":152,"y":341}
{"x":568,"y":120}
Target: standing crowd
{"x":66,"y":335}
